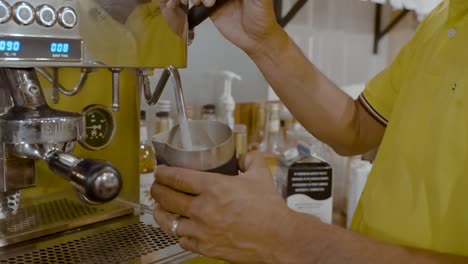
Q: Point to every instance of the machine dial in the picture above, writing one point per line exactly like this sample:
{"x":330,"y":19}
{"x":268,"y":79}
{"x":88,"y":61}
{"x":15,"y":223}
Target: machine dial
{"x":23,"y":13}
{"x":100,"y":127}
{"x":46,"y":16}
{"x":67,"y":17}
{"x":5,"y":12}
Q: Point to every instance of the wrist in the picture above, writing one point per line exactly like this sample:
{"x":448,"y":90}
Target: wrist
{"x":271,"y":45}
{"x":304,"y":240}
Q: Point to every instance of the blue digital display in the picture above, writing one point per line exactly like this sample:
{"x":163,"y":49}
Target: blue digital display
{"x":60,"y":47}
{"x":10,"y":45}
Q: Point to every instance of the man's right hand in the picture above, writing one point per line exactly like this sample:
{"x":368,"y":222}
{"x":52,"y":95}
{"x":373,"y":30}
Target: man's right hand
{"x":248,"y":24}
{"x":316,"y":102}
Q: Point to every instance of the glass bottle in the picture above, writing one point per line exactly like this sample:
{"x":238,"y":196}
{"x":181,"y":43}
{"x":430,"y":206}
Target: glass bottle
{"x":273,"y":141}
{"x":164,"y":122}
{"x":240,"y":139}
{"x":147,"y":164}
{"x":190,"y":113}
{"x":257,"y":125}
{"x":209,"y":112}
{"x":287,"y":122}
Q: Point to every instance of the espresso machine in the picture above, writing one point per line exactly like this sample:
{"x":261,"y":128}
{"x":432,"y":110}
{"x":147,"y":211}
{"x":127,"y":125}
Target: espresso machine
{"x":71,"y":75}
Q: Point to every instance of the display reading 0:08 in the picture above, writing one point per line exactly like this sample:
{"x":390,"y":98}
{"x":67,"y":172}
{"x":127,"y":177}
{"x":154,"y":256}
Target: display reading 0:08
{"x":10,"y":45}
{"x":57,"y":47}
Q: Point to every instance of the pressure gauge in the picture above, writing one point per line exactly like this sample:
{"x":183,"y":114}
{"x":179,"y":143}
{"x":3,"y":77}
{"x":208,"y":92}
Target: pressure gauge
{"x":100,"y":127}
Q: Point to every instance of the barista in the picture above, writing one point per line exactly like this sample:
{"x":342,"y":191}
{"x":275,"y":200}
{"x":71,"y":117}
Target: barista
{"x":413,"y":209}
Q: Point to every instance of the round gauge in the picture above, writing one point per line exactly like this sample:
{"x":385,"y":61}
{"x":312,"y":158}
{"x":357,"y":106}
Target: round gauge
{"x":100,"y":127}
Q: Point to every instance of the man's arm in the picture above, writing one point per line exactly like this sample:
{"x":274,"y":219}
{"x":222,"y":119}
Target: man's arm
{"x":341,"y":246}
{"x":315,"y":101}
{"x":243,"y":219}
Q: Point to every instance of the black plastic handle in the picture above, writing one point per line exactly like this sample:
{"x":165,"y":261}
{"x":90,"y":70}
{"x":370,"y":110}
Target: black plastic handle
{"x":200,"y":13}
{"x":97,"y":181}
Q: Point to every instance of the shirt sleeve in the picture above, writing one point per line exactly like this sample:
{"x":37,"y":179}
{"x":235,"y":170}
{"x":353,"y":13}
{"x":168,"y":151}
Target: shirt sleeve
{"x":382,"y":91}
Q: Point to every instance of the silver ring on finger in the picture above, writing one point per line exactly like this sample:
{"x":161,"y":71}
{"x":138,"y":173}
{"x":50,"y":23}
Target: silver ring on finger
{"x":174,"y":226}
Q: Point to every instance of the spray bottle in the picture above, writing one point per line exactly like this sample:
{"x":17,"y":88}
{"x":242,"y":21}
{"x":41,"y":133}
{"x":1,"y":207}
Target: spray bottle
{"x":226,"y":103}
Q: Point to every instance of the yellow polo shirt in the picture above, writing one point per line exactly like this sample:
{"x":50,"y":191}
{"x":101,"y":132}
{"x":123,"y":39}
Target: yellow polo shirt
{"x":417,"y":193}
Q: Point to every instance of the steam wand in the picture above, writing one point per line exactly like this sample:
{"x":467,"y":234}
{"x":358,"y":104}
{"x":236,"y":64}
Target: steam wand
{"x":153,"y":98}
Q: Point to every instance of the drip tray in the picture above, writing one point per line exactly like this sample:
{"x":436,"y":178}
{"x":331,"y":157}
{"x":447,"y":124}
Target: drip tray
{"x":120,"y":241}
{"x":56,"y":214}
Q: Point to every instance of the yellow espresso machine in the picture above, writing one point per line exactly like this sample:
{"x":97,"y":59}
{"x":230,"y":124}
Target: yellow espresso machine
{"x":71,"y":74}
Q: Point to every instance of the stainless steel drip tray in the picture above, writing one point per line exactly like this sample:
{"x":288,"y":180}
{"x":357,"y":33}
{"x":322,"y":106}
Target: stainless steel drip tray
{"x":57,"y":213}
{"x":122,"y":240}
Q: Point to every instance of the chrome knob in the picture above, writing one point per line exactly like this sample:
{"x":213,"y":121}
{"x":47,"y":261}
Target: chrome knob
{"x":46,"y":16}
{"x":67,"y":17}
{"x":5,"y":12}
{"x":97,"y":181}
{"x":23,"y":13}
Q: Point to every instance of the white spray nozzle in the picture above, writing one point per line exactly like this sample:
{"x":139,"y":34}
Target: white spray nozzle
{"x":226,"y":102}
{"x":229,"y":77}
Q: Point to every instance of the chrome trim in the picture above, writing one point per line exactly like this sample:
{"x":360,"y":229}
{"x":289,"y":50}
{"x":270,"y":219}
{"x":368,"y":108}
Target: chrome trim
{"x":17,"y":13}
{"x":40,"y":12}
{"x":7,"y":16}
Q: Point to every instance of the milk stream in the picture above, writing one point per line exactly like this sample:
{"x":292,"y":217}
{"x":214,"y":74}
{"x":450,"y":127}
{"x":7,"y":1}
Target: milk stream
{"x":185,"y":136}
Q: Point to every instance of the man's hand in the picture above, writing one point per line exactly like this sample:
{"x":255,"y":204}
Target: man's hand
{"x":237,"y":219}
{"x":248,"y":24}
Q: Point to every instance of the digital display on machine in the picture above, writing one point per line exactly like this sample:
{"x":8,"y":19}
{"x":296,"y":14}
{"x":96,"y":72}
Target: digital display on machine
{"x":10,"y":45}
{"x":40,"y":49}
{"x":60,"y":47}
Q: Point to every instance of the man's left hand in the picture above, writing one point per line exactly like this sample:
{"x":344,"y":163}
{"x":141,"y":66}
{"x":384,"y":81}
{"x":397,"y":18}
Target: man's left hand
{"x":238,"y":219}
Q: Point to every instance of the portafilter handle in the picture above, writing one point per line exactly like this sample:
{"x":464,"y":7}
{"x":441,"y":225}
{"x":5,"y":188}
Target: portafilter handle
{"x":97,"y":181}
{"x":198,"y":14}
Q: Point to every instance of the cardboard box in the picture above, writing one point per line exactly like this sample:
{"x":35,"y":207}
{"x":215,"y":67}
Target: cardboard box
{"x":307,"y":186}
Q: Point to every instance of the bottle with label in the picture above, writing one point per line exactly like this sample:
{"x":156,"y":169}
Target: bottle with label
{"x":147,"y":164}
{"x":164,"y":122}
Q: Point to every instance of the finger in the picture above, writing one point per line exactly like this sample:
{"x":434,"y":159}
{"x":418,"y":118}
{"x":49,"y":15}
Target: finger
{"x":209,"y":3}
{"x":190,"y":244}
{"x":164,"y":219}
{"x":173,"y":3}
{"x":252,"y":160}
{"x":171,"y":200}
{"x":187,"y":181}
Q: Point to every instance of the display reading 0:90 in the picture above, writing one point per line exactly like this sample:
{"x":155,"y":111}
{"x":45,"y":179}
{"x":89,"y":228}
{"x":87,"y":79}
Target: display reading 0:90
{"x":10,"y":45}
{"x":59,"y":47}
